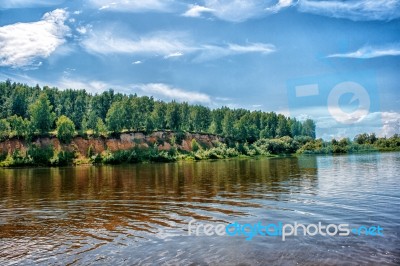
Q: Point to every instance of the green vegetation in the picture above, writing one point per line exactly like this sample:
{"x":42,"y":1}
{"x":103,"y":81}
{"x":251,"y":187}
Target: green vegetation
{"x":65,"y":129}
{"x":361,"y":143}
{"x":33,"y":112}
{"x":41,"y":115}
{"x":29,"y":112}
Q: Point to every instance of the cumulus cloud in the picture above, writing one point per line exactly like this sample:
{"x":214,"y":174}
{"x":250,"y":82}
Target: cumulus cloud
{"x":24,"y":44}
{"x":132,"y":5}
{"x":357,"y":10}
{"x":164,"y":91}
{"x":367,"y":52}
{"x":391,"y":124}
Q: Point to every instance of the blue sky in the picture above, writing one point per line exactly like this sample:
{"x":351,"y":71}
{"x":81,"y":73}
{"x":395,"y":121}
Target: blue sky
{"x":242,"y":54}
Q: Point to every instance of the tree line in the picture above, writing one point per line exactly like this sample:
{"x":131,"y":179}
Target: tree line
{"x":27,"y":111}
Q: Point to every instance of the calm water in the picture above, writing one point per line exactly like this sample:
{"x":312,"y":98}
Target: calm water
{"x":139,"y":214}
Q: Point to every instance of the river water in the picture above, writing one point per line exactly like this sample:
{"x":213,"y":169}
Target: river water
{"x":139,"y":214}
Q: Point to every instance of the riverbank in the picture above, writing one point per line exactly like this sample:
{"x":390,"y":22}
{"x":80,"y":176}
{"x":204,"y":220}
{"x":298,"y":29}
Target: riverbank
{"x":169,"y":146}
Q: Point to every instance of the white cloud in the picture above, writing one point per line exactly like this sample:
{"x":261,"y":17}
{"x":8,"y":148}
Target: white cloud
{"x":278,"y":6}
{"x":367,"y":52}
{"x":252,"y":48}
{"x":92,"y":86}
{"x":133,"y":5}
{"x":137,"y":62}
{"x":212,"y":52}
{"x":356,"y":10}
{"x":285,"y":3}
{"x":229,"y":10}
{"x":164,"y":43}
{"x":28,"y":3}
{"x":241,"y":10}
{"x":158,"y":90}
{"x":81,"y":30}
{"x":23,"y":44}
{"x":177,"y":54}
{"x":391,"y":124}
{"x":196,"y":11}
{"x":84,"y":29}
{"x":237,"y":10}
{"x":163,"y":91}
{"x":380,"y":123}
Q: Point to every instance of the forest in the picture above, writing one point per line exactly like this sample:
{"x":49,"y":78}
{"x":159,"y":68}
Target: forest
{"x":28,"y":113}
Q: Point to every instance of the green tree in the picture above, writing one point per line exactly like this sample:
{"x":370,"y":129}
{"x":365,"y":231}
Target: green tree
{"x":4,"y":129}
{"x":283,"y":128}
{"x":135,"y":114}
{"x":41,"y":114}
{"x":217,"y":118}
{"x":173,"y":116}
{"x":116,"y":117}
{"x":18,"y":126}
{"x":185,"y":116}
{"x":309,"y":128}
{"x":100,"y":127}
{"x":159,"y":115}
{"x":228,"y":124}
{"x":65,"y":129}
{"x":295,"y":127}
{"x":240,"y":130}
{"x":91,"y":120}
{"x":18,"y":101}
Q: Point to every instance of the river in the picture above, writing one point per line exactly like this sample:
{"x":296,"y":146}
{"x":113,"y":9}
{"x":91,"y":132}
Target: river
{"x":139,"y":214}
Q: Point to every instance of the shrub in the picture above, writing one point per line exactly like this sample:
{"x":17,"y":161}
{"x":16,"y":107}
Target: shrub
{"x":65,"y":129}
{"x":249,"y":150}
{"x":41,"y":155}
{"x":90,"y":151}
{"x":16,"y":159}
{"x":3,"y":156}
{"x":195,"y":145}
{"x":63,"y":158}
{"x":162,"y":156}
{"x":179,"y":137}
{"x":219,"y":152}
{"x":4,"y":129}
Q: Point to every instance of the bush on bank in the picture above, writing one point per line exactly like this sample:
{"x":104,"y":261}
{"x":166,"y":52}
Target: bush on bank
{"x":49,"y":156}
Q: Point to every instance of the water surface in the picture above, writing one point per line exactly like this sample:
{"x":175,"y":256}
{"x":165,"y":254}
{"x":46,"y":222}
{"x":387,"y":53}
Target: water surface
{"x":139,"y":214}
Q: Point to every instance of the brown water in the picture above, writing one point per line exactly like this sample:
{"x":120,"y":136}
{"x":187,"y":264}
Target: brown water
{"x":139,"y":214}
